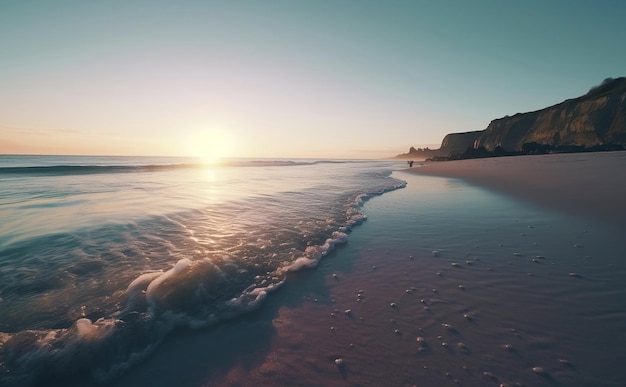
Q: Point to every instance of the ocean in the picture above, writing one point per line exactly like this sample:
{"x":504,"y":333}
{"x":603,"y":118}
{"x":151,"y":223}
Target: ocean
{"x":102,"y":257}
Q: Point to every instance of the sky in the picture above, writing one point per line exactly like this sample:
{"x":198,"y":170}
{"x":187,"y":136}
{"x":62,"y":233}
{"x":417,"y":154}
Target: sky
{"x":333,"y":79}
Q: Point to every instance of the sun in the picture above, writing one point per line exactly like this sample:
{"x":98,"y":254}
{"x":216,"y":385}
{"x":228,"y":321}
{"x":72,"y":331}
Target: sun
{"x":210,"y":146}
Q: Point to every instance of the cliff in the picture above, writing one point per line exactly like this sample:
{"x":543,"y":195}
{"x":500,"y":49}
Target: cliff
{"x":594,"y":119}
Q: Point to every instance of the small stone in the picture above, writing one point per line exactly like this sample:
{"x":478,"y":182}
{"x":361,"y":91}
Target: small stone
{"x":339,"y":361}
{"x":454,"y":264}
{"x":540,"y":371}
{"x":348,"y":311}
{"x":396,"y":331}
{"x":462,"y":287}
{"x":393,"y":305}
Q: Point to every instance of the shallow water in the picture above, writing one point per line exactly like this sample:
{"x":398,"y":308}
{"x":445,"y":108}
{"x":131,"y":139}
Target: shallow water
{"x":100,"y":258}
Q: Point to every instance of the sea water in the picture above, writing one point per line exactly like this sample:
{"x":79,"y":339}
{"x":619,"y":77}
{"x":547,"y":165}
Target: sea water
{"x":102,"y":257}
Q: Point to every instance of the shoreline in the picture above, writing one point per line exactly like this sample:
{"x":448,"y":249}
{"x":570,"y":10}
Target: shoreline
{"x":584,"y":184}
{"x":424,"y":293}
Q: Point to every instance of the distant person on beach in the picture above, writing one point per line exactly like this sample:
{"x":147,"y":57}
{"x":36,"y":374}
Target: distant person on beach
{"x":410,"y":163}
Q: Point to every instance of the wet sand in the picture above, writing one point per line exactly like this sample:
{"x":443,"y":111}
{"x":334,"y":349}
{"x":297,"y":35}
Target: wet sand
{"x":445,"y":284}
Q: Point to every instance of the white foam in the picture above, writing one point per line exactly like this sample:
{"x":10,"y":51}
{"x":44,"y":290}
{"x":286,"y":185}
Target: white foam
{"x":180,"y":266}
{"x":85,"y":328}
{"x":313,"y":254}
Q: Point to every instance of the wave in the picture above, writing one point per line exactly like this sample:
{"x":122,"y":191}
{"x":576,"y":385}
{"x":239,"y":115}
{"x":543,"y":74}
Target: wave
{"x":69,"y":170}
{"x":194,"y":287}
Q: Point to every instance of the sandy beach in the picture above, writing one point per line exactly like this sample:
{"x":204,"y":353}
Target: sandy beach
{"x":586,"y":184}
{"x":447,"y":283}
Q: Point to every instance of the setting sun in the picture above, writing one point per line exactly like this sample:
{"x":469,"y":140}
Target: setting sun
{"x":210,"y":146}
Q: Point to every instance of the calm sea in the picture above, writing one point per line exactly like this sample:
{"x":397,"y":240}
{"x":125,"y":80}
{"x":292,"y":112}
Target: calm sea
{"x":102,"y":257}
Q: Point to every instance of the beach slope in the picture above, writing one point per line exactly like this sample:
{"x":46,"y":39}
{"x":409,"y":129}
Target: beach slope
{"x":584,"y":184}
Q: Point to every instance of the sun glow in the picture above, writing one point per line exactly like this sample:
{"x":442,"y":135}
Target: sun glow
{"x":210,"y":146}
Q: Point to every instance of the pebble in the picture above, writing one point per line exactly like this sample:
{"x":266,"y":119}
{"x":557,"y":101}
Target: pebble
{"x":393,"y":305}
{"x":467,"y":316}
{"x":348,"y":311}
{"x":455,"y":264}
{"x":420,"y":339}
{"x":507,"y":347}
{"x":540,"y":371}
{"x":444,"y":344}
{"x":335,"y":275}
{"x":447,"y":326}
{"x":577,"y":275}
{"x":439,"y":274}
{"x":435,"y":253}
{"x":396,"y":331}
{"x":339,"y":361}
{"x":461,"y":287}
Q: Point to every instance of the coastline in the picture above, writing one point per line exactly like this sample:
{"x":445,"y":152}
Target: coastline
{"x":585,"y":184}
{"x":498,"y":291}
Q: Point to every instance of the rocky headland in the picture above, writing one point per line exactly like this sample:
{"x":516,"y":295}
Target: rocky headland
{"x":595,"y":121}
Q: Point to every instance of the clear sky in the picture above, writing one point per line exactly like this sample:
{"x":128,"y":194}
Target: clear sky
{"x":288,"y":78}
